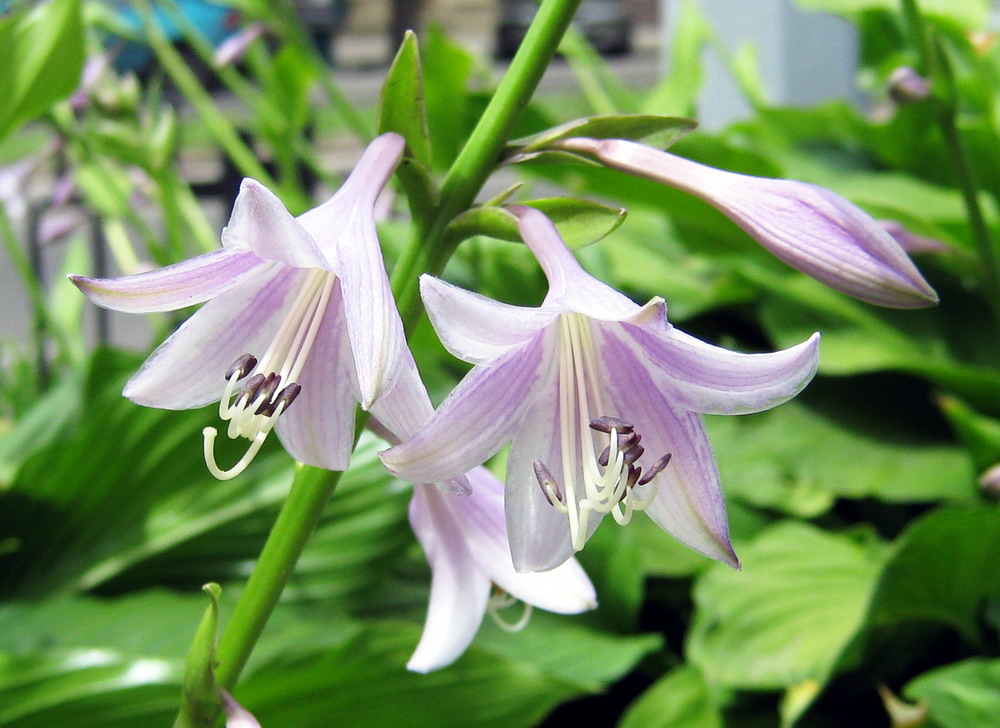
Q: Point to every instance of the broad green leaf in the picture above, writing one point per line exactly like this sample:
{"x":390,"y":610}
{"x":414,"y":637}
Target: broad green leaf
{"x":580,"y":222}
{"x":784,"y":620}
{"x":125,"y":502}
{"x":679,"y":699}
{"x":48,"y":418}
{"x":569,"y":647}
{"x":338,"y":687}
{"x":401,"y":108}
{"x":798,"y":460}
{"x":943,"y":571}
{"x":41,"y":62}
{"x":962,"y":695}
{"x":91,"y":688}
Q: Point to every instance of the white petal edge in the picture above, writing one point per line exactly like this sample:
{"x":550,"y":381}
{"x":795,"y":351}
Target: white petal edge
{"x":176,"y":286}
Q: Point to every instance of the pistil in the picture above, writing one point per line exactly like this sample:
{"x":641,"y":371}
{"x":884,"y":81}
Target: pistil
{"x":262,"y":399}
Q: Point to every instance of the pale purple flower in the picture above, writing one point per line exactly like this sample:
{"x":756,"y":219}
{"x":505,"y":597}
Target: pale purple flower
{"x":906,"y":86}
{"x":299,"y":322}
{"x":810,"y":228}
{"x":589,"y":370}
{"x":465,"y":540}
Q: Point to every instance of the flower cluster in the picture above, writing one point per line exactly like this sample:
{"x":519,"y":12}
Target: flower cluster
{"x":601,"y":398}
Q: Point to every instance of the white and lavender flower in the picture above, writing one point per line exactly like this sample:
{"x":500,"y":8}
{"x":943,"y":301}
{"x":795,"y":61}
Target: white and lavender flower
{"x":589,"y":371}
{"x":465,"y":540}
{"x":299,"y":322}
{"x":810,"y":228}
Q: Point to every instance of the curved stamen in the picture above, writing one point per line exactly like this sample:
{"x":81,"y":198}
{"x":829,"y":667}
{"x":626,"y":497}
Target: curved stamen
{"x":254,"y":410}
{"x":502,"y":600}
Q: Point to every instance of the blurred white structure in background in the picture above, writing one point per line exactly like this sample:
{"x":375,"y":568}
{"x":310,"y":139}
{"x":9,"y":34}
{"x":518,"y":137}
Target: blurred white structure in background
{"x":804,"y":57}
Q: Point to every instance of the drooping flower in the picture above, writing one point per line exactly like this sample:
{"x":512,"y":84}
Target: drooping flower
{"x":589,"y":370}
{"x":299,"y":322}
{"x":810,"y":228}
{"x":465,"y":540}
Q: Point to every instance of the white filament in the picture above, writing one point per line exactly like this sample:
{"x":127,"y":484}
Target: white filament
{"x":603,"y":491}
{"x":285,"y":357}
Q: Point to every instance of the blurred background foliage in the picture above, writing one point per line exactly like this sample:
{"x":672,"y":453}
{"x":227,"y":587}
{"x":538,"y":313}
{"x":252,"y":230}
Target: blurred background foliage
{"x":869,"y":546}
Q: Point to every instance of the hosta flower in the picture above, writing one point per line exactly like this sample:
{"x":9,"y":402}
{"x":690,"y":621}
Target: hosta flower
{"x":811,"y":228}
{"x":600,"y":397}
{"x":465,"y":540}
{"x":299,"y":321}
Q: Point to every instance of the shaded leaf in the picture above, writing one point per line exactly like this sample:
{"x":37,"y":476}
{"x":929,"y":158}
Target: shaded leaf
{"x":962,"y":695}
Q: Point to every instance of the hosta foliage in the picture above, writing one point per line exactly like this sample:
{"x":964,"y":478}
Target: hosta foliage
{"x":869,"y":551}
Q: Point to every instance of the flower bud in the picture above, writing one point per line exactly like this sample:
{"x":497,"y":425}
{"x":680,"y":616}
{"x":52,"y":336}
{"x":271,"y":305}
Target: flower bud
{"x":810,"y":228}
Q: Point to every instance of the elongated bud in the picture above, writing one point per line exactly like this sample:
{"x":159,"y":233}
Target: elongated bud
{"x":810,"y":228}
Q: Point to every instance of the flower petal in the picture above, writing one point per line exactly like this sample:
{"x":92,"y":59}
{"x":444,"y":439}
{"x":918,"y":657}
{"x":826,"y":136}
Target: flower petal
{"x":474,"y":328}
{"x":811,"y":228}
{"x":318,"y":429}
{"x":189,"y":368}
{"x":475,"y":420}
{"x":712,"y":380}
{"x":689,"y":504}
{"x":459,"y":590}
{"x":570,"y":286}
{"x":539,"y":534}
{"x":261,"y":223}
{"x":175,"y":286}
{"x":373,"y":322}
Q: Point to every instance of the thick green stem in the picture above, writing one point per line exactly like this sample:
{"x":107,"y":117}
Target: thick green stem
{"x":428,"y":252}
{"x":301,"y":511}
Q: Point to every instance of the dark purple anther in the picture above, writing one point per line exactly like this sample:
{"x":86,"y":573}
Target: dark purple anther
{"x":655,"y":470}
{"x":251,"y":387}
{"x":545,"y":478}
{"x":242,"y":366}
{"x":607,"y":422}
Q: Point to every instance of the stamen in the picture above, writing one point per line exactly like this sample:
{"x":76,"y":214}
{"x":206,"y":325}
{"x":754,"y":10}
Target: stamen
{"x":501,"y":600}
{"x":254,"y":411}
{"x":242,"y":366}
{"x":606,"y":423}
{"x":609,"y":482}
{"x":655,"y":470}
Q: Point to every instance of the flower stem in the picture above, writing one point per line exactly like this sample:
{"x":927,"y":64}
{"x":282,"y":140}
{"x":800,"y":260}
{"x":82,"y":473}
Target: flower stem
{"x":301,"y":511}
{"x":428,"y":250}
{"x":933,"y":62}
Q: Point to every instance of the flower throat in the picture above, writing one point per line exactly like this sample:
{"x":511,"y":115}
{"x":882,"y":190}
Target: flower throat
{"x":271,"y":387}
{"x":612,"y":481}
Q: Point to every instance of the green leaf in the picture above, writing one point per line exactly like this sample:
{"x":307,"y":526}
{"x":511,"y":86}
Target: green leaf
{"x":200,"y":697}
{"x":90,"y":688}
{"x":447,"y":69}
{"x":402,"y":105}
{"x":943,"y":571}
{"x":758,"y":629}
{"x":798,"y":460}
{"x":656,"y":131}
{"x":962,"y":695}
{"x":679,"y":699}
{"x":580,"y":222}
{"x":335,"y":686}
{"x":980,"y":434}
{"x":677,"y":92}
{"x":42,"y":60}
{"x":971,"y":14}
